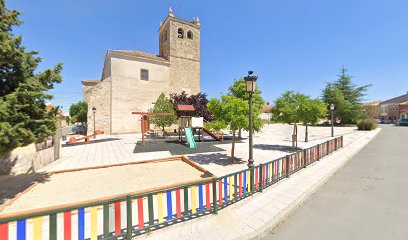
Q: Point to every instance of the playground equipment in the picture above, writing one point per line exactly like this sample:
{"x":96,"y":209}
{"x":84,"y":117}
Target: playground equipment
{"x":189,"y":124}
{"x":186,"y":120}
{"x":190,"y":138}
{"x":145,"y":121}
{"x":86,"y":138}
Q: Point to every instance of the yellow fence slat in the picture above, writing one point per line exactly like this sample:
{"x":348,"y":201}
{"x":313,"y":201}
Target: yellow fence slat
{"x":160,"y":206}
{"x":193,"y":200}
{"x":37,"y":227}
{"x":94,"y":223}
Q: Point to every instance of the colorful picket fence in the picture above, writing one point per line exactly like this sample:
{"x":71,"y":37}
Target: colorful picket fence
{"x":130,"y":215}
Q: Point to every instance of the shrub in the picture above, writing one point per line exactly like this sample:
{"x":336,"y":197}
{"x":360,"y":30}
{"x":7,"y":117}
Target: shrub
{"x":367,"y":124}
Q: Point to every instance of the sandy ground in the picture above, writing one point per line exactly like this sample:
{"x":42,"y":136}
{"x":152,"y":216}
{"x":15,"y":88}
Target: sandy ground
{"x":91,"y":184}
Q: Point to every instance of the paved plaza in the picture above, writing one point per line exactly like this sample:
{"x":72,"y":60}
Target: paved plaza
{"x":251,"y":216}
{"x":273,"y":142}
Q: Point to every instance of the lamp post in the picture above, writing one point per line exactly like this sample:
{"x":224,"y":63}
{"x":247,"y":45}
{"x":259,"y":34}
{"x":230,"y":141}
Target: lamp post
{"x":94,"y":111}
{"x":250,"y":82}
{"x":332,"y":119}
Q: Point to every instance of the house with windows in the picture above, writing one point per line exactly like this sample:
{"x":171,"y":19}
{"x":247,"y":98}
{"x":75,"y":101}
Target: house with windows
{"x":394,"y":109}
{"x":404,"y":110}
{"x":132,"y":80}
{"x":372,"y":109}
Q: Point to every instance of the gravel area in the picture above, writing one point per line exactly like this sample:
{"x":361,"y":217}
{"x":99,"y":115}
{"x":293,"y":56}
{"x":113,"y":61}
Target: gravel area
{"x":78,"y":186}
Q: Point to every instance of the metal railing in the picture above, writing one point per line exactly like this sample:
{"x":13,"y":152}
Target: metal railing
{"x":130,"y":215}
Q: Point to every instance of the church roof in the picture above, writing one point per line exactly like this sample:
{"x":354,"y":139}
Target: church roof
{"x":139,"y":54}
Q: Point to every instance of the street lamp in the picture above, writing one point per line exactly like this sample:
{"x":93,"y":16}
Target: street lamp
{"x":94,"y":111}
{"x":332,"y":119}
{"x":250,"y":82}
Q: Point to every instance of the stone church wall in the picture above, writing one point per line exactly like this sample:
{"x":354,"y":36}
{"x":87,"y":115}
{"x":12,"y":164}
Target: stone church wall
{"x":100,"y":97}
{"x":131,"y":94}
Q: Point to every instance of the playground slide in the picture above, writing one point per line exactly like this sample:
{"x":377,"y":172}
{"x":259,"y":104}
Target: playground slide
{"x":190,"y":138}
{"x":212,"y":134}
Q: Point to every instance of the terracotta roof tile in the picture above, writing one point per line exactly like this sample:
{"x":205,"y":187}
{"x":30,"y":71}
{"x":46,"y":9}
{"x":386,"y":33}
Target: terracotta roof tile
{"x":181,"y":107}
{"x":267,"y":108}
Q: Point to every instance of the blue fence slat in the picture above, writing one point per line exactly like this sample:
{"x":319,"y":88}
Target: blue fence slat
{"x":21,"y":229}
{"x":244,"y":188}
{"x":200,"y":197}
{"x":169,"y":206}
{"x":226,"y":190}
{"x":81,"y":224}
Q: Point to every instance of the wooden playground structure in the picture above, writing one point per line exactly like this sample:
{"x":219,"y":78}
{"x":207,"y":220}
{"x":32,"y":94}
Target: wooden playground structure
{"x":186,"y":123}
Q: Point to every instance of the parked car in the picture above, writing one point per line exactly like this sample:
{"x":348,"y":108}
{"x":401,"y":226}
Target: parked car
{"x":78,"y":129}
{"x":402,"y":122}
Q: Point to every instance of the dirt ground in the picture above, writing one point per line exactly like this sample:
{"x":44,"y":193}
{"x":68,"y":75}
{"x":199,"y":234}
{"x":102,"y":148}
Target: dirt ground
{"x":78,"y":186}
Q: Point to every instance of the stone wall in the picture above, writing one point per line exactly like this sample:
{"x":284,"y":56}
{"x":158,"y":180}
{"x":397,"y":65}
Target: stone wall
{"x":100,"y":98}
{"x":184,"y":56}
{"x":25,"y":160}
{"x":131,"y":94}
{"x":184,"y":75}
{"x":86,"y":87}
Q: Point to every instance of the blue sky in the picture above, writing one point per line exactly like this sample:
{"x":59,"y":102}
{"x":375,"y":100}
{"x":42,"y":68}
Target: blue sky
{"x":291,"y":45}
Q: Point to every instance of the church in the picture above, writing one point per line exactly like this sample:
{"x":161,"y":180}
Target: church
{"x":132,"y":80}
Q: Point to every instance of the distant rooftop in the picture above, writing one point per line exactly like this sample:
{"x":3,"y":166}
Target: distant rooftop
{"x":375,"y":103}
{"x":267,"y":108}
{"x":399,"y":99}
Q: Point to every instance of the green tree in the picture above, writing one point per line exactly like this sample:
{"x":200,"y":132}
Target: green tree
{"x":163,"y":105}
{"x":238,"y":89}
{"x":79,"y":112}
{"x":288,"y":109}
{"x":311,"y":112}
{"x":23,"y":115}
{"x":346,"y":96}
{"x":230,"y":111}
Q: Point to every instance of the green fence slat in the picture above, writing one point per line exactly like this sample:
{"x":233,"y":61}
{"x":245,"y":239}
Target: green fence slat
{"x":53,"y":226}
{"x":150,"y":207}
{"x":129,"y":227}
{"x":105,"y":220}
{"x":185,"y":190}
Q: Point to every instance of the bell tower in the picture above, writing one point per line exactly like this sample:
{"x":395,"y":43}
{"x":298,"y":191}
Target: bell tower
{"x":179,"y":42}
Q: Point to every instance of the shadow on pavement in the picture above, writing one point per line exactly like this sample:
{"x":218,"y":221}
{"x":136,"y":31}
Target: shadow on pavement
{"x":13,"y":185}
{"x":275,"y":147}
{"x":91,"y":142}
{"x":216,"y":158}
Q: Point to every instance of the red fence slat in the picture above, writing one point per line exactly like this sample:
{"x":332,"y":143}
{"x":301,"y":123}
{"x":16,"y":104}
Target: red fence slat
{"x":67,"y":225}
{"x":4,"y":231}
{"x":178,"y":203}
{"x":117,"y":219}
{"x":207,"y":196}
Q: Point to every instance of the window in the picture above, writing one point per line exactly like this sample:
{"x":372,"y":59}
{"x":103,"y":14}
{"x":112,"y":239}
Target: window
{"x":165,"y":35}
{"x":180,"y":33}
{"x":144,"y":74}
{"x":190,"y":35}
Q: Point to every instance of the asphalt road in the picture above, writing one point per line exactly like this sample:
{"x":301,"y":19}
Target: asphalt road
{"x":367,"y":199}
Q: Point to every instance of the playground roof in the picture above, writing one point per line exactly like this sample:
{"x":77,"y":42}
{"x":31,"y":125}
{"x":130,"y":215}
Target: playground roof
{"x":181,"y":107}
